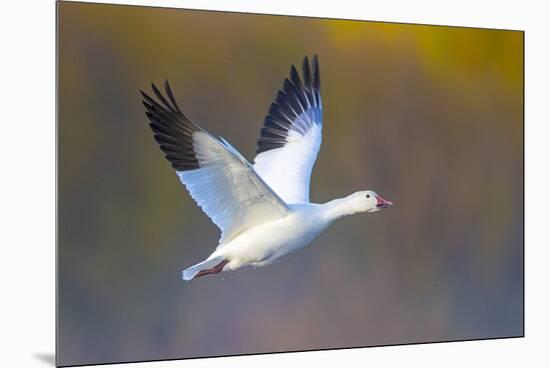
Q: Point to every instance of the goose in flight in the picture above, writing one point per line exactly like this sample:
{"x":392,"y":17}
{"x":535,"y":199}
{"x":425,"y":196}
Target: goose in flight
{"x":262,"y":209}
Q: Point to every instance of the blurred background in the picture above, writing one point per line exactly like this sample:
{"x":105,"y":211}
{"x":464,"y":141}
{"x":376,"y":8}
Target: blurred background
{"x":430,"y":117}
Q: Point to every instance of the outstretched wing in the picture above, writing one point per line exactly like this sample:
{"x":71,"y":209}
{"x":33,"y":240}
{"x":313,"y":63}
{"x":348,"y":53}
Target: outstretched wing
{"x":218,"y":178}
{"x":291,"y":135}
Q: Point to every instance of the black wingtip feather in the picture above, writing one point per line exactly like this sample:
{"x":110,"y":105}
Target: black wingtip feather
{"x":316,"y":76}
{"x":171,"y":95}
{"x":171,"y":129}
{"x":300,"y":94}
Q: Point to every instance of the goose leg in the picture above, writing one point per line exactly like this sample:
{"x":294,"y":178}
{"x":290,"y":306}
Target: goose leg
{"x":214,"y":270}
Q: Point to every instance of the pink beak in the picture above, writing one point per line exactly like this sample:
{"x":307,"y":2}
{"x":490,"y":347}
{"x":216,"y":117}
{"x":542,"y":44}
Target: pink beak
{"x":382,"y":203}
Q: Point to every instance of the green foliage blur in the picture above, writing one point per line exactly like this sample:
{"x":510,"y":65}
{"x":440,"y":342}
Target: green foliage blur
{"x":430,"y":117}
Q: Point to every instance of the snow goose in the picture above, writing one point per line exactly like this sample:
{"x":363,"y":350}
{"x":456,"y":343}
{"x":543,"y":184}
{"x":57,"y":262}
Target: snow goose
{"x":263,"y":210}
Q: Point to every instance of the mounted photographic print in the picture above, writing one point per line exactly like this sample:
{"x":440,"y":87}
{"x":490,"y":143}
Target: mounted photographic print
{"x":234,"y":183}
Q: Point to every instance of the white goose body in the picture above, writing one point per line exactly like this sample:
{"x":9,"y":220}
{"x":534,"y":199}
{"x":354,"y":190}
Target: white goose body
{"x":264,"y":244}
{"x":262,"y":210}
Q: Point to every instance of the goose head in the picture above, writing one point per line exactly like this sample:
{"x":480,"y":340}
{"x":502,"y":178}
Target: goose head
{"x":369,"y":201}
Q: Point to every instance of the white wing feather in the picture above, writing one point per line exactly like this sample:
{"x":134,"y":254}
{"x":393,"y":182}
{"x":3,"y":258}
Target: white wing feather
{"x":228,"y":189}
{"x":291,"y":136}
{"x":287,"y":170}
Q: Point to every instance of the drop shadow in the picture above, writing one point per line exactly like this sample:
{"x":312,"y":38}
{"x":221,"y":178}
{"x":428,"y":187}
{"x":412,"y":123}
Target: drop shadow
{"x":47,"y":358}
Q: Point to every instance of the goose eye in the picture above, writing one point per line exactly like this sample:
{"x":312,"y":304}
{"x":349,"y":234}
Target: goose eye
{"x":368,"y":195}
